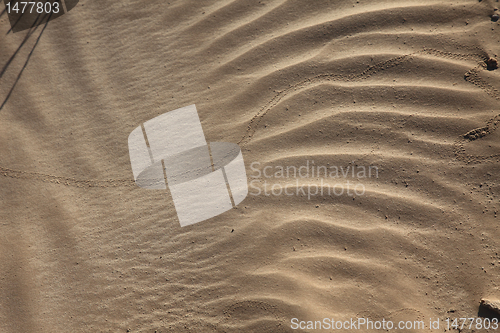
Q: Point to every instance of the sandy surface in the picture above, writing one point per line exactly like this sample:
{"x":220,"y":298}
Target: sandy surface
{"x":392,"y":84}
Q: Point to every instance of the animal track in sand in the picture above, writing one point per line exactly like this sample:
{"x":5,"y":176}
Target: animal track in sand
{"x":473,"y":135}
{"x":472,"y":76}
{"x":65,"y":180}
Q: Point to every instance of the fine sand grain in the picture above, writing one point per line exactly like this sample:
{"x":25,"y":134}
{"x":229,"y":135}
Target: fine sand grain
{"x":400,"y":85}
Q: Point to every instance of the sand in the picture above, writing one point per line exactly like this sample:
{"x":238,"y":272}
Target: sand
{"x":400,"y":85}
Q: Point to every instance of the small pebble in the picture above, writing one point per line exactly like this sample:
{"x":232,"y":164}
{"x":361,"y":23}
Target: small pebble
{"x":495,"y":17}
{"x":490,"y":305}
{"x":492,"y":64}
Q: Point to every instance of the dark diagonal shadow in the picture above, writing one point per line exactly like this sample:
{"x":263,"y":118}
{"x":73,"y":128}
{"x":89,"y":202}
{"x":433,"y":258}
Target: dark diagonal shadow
{"x":28,"y":35}
{"x":17,"y":22}
{"x":3,"y":12}
{"x":27,"y":60}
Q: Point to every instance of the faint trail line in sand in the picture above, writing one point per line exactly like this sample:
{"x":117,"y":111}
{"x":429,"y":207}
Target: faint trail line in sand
{"x":473,"y":135}
{"x":46,"y":178}
{"x":65,"y":180}
{"x":473,"y":78}
{"x":17,"y":174}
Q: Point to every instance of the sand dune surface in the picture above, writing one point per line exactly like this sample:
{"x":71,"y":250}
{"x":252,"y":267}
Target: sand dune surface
{"x":399,"y":86}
